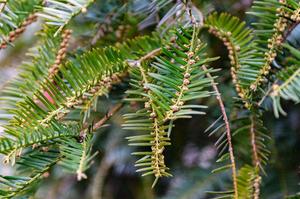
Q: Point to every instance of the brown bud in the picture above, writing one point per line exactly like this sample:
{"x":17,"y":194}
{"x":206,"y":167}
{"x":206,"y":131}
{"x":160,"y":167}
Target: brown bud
{"x":187,"y":75}
{"x":186,"y":82}
{"x":191,"y":62}
{"x":12,"y":33}
{"x":153,"y":115}
{"x":175,"y":108}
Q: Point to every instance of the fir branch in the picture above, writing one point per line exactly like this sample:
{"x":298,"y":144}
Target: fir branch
{"x":77,"y":157}
{"x":166,"y":87}
{"x":274,"y":43}
{"x":287,"y":83}
{"x":256,"y":160}
{"x":231,"y":36}
{"x":241,"y":52}
{"x":158,"y":167}
{"x":18,"y":186}
{"x":13,"y":146}
{"x":32,"y":72}
{"x":228,"y":133}
{"x":101,"y":68}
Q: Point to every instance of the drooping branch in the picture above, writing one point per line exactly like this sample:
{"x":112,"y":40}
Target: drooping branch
{"x":256,"y":159}
{"x":237,"y":38}
{"x":228,"y":132}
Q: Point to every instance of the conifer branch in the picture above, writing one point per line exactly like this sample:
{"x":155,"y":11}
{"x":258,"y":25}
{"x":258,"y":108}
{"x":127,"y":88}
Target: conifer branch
{"x":232,"y":54}
{"x":273,"y":44}
{"x":49,"y":106}
{"x":228,"y":132}
{"x":256,"y":160}
{"x":158,"y":164}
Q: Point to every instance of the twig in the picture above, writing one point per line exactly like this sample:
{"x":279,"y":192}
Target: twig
{"x":150,"y":55}
{"x":106,"y":163}
{"x":228,"y":133}
{"x":100,"y":176}
{"x":256,"y":161}
{"x":102,"y":121}
{"x":137,"y":63}
{"x":266,"y":95}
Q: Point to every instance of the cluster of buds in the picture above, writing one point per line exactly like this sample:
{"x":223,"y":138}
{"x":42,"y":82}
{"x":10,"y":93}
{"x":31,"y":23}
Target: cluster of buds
{"x":177,"y":103}
{"x":61,"y":115}
{"x":80,"y":99}
{"x":158,"y":159}
{"x":105,"y":84}
{"x":256,"y":185}
{"x":61,"y":53}
{"x":296,"y":15}
{"x":273,"y":44}
{"x":102,"y":30}
{"x":153,"y":115}
{"x":148,"y":103}
{"x":17,"y":32}
{"x":232,"y":54}
{"x":158,"y":162}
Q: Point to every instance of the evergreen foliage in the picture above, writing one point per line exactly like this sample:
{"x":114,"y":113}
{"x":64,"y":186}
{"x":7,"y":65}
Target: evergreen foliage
{"x":50,"y":112}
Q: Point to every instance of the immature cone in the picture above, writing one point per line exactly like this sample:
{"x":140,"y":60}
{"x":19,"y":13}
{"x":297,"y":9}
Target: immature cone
{"x":17,"y":32}
{"x":61,"y":54}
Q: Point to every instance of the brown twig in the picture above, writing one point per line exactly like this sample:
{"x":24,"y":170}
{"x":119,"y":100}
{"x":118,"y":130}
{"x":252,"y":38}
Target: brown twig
{"x":150,"y":55}
{"x":228,"y":133}
{"x":269,"y":91}
{"x":137,"y":63}
{"x":102,"y":121}
{"x":256,"y":161}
